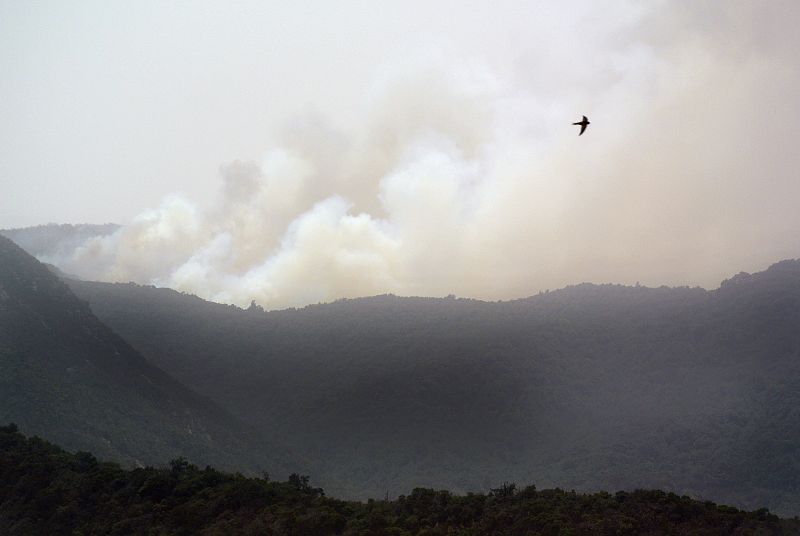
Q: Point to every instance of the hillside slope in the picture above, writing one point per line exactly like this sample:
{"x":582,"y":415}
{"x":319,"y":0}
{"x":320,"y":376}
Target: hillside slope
{"x":66,"y":376}
{"x":590,"y":387}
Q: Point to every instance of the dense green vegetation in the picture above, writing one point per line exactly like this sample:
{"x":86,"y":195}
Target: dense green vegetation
{"x":590,"y":387}
{"x":44,"y":490}
{"x":67,"y":376}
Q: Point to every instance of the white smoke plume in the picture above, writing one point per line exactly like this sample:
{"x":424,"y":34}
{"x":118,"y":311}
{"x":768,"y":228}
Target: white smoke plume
{"x":470,"y":180}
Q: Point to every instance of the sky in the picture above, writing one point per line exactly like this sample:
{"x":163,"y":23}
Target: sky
{"x":294,"y":153}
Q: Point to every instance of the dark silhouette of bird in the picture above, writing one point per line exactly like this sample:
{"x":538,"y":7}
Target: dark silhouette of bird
{"x":582,"y":124}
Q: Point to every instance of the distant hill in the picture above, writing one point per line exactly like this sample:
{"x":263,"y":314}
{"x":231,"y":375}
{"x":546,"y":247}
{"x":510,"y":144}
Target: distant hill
{"x":44,"y":490}
{"x":590,"y":387}
{"x":66,"y":376}
{"x":55,"y":240}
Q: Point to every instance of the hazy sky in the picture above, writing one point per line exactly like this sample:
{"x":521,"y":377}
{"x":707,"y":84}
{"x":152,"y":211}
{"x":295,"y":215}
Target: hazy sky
{"x":295,"y":152}
{"x":109,"y":106}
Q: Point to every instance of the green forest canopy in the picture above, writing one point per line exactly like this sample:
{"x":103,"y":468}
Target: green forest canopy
{"x":45,"y":490}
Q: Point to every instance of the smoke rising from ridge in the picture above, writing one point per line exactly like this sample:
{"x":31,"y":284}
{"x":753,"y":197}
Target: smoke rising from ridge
{"x":467,"y":178}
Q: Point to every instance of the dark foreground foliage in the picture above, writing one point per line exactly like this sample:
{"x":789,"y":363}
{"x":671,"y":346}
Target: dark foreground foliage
{"x":45,"y":490}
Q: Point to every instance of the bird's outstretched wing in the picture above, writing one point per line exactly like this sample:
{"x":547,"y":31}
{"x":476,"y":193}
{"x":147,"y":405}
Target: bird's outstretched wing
{"x":585,"y":119}
{"x":583,"y":127}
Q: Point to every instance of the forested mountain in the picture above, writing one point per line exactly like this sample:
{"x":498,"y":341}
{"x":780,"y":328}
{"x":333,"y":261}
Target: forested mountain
{"x":590,"y":387}
{"x":44,"y":490}
{"x":68,"y":377}
{"x":54,"y":240}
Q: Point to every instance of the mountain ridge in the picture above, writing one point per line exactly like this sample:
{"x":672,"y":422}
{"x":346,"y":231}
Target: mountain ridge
{"x":591,"y":386}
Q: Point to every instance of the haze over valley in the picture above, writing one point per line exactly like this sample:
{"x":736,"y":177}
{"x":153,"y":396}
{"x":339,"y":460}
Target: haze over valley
{"x":501,"y":268}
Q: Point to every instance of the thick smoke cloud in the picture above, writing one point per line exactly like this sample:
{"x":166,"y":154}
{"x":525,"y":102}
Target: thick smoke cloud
{"x":467,"y":178}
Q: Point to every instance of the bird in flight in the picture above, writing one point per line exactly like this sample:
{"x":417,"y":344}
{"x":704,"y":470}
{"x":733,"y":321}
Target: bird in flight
{"x":582,"y":124}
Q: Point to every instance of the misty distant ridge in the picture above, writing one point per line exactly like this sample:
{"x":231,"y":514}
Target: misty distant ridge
{"x":56,"y":239}
{"x":51,"y":240}
{"x":56,"y":244}
{"x":584,"y":289}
